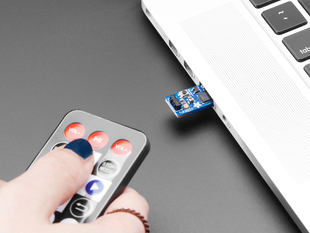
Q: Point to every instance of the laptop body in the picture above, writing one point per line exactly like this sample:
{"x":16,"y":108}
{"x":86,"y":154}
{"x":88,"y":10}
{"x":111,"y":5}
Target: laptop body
{"x":258,"y":78}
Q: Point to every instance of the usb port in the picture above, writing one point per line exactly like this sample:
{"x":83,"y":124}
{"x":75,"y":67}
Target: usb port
{"x":174,"y":49}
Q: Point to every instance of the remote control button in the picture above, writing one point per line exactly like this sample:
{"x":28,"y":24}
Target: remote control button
{"x":69,"y":220}
{"x":94,"y":187}
{"x":98,"y":140}
{"x":81,"y":207}
{"x":58,"y":144}
{"x":74,"y":131}
{"x":97,"y":156}
{"x":121,"y":148}
{"x":108,"y":168}
{"x":52,"y":218}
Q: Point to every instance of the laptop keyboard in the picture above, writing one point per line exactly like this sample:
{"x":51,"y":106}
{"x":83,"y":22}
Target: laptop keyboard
{"x":261,"y":3}
{"x":297,"y":41}
{"x":285,"y":18}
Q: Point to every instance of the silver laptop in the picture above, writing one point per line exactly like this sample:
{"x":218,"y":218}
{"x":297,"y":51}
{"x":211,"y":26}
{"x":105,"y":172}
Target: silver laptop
{"x":252,"y":57}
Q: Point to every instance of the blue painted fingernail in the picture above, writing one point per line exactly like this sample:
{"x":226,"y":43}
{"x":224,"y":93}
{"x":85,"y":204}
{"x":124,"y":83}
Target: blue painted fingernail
{"x":81,"y":147}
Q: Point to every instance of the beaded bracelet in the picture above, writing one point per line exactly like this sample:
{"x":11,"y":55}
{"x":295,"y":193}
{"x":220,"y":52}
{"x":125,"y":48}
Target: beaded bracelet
{"x":144,"y":222}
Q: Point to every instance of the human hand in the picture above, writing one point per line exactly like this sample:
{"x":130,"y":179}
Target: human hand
{"x":28,"y":201}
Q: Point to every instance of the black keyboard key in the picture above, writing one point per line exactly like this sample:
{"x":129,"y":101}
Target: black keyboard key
{"x":307,"y":69}
{"x":261,"y":3}
{"x":305,"y":4}
{"x":299,"y":44}
{"x":284,"y":18}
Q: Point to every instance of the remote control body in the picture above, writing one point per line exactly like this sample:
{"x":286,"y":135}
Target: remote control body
{"x":118,"y":152}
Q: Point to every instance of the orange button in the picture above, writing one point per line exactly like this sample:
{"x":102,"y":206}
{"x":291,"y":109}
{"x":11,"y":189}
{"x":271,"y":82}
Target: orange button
{"x":121,"y":148}
{"x":98,"y":139}
{"x":74,"y":131}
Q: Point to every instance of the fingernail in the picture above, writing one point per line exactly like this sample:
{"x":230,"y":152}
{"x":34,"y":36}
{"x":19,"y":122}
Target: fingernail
{"x":80,"y":147}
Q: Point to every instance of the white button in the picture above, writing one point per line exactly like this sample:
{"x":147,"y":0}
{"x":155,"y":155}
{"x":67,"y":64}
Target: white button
{"x":97,"y":156}
{"x":69,"y":220}
{"x":52,"y":218}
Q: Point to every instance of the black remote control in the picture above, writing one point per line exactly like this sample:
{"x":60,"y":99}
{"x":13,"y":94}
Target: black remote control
{"x":118,"y":152}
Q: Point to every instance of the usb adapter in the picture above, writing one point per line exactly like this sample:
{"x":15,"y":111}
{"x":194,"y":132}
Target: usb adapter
{"x":189,"y":101}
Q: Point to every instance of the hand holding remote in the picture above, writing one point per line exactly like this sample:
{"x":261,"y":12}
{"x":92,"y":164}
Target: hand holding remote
{"x":28,"y":201}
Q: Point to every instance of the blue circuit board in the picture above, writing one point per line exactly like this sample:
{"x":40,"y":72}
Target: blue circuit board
{"x":189,"y":101}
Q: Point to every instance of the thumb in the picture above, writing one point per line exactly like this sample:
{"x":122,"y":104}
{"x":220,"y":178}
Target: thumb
{"x":51,"y":180}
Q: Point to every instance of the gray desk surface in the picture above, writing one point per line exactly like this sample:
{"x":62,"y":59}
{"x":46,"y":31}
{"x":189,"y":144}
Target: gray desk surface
{"x":104,"y":57}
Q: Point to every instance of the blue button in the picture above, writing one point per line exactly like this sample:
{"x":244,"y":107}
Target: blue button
{"x":94,"y":187}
